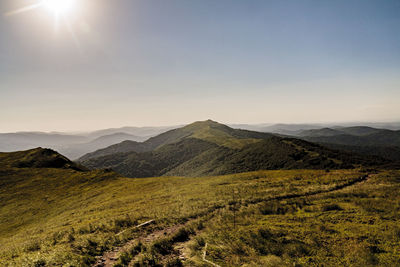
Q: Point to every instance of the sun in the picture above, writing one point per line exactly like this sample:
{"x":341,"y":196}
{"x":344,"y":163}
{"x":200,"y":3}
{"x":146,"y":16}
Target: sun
{"x":64,"y":12}
{"x":59,"y":7}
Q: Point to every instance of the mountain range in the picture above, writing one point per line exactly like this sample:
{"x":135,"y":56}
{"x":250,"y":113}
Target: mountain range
{"x":296,"y":129}
{"x":76,"y":145}
{"x":360,"y":139}
{"x":211,"y":148}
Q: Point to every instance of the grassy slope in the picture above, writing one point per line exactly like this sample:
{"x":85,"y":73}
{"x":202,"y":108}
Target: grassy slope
{"x":198,"y":157}
{"x":358,"y":226}
{"x":152,"y":163}
{"x":210,"y":131}
{"x":66,"y":216}
{"x":36,"y":158}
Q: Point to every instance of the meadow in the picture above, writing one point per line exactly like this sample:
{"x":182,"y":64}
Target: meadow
{"x":66,"y":217}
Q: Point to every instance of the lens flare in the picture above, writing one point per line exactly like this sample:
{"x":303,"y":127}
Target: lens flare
{"x":59,"y":7}
{"x":64,"y":13}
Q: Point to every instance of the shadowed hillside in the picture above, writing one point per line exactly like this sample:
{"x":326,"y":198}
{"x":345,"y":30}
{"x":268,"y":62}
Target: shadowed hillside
{"x":360,"y":139}
{"x":210,"y":148}
{"x":379,"y":138}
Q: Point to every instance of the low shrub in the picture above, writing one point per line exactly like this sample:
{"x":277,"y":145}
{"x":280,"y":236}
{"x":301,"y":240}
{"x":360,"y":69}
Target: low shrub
{"x":331,"y":207}
{"x":182,"y":235}
{"x":175,"y":262}
{"x":39,"y":263}
{"x":163,"y":247}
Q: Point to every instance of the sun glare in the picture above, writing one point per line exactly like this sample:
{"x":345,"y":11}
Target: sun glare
{"x":59,"y":7}
{"x":64,"y":13}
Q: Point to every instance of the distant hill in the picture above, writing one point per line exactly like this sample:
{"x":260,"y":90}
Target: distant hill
{"x":145,"y":132}
{"x":376,"y":137}
{"x":36,"y":158}
{"x":355,"y":130}
{"x":359,"y":130}
{"x":27,"y":140}
{"x":320,"y":132}
{"x":76,"y":145}
{"x":296,"y":129}
{"x":205,"y":130}
{"x":211,"y":148}
{"x":359,"y":139}
{"x":289,"y":129}
{"x":75,"y":151}
{"x":387,"y":152}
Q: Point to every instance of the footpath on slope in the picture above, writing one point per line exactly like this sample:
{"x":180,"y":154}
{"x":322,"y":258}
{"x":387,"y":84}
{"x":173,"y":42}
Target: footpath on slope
{"x":109,"y":258}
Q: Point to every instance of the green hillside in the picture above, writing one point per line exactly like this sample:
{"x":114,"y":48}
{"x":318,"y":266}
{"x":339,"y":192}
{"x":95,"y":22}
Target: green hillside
{"x":153,"y":163}
{"x":271,"y":154}
{"x":210,"y":148}
{"x":362,"y":140}
{"x":61,"y":216}
{"x":373,"y":138}
{"x":36,"y":158}
{"x":209,"y":130}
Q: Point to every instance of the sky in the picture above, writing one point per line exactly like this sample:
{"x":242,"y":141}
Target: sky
{"x":169,"y":62}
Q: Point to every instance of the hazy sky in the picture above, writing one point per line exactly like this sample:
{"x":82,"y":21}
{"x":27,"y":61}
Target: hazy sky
{"x":167,"y":62}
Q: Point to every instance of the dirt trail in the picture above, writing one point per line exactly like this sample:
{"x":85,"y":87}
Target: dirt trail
{"x":159,"y":234}
{"x":111,"y":257}
{"x":362,"y":179}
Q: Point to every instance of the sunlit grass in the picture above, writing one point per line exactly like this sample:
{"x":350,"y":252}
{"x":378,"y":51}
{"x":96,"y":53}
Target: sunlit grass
{"x":358,"y":226}
{"x":65,"y":216}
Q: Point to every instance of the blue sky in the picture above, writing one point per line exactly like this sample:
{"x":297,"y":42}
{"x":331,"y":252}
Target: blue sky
{"x":148,"y":62}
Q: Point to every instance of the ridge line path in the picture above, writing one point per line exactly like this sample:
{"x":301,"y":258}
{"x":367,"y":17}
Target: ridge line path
{"x":109,"y":258}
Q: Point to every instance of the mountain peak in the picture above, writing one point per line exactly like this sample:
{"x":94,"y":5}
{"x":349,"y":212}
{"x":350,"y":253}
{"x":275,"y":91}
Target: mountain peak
{"x":206,"y":124}
{"x":208,"y":130}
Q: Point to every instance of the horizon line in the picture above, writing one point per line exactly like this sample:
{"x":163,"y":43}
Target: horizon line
{"x":337,"y":123}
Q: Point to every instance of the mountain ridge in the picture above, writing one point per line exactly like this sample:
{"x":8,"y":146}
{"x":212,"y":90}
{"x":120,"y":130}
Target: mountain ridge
{"x":206,"y":130}
{"x":211,"y":148}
